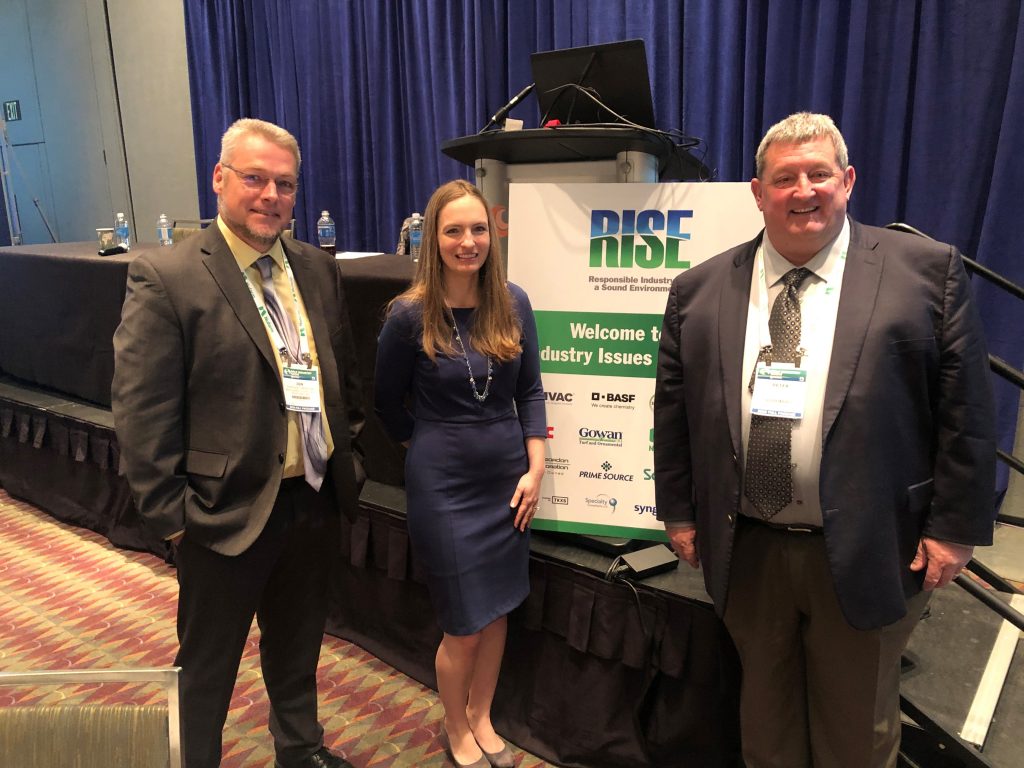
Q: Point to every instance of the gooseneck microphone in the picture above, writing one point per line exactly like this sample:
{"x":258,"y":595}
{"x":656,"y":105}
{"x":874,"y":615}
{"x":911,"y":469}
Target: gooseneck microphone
{"x":498,"y":116}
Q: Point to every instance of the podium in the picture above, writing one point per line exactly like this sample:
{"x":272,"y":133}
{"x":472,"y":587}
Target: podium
{"x":573,"y":153}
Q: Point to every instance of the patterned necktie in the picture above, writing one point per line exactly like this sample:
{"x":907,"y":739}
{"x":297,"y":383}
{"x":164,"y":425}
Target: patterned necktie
{"x":314,"y":446}
{"x":768,"y":480}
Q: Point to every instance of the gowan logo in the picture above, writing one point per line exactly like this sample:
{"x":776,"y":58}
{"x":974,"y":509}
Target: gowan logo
{"x":609,"y":438}
{"x":551,"y":433}
{"x":558,"y":397}
{"x":614,"y":235}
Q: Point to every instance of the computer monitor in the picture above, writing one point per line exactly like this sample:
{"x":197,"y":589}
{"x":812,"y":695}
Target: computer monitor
{"x":615,"y":73}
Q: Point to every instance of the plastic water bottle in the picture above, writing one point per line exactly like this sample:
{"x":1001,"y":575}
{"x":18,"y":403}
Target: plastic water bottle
{"x":121,"y":232}
{"x":163,"y":230}
{"x":415,"y":236}
{"x":325,"y":232}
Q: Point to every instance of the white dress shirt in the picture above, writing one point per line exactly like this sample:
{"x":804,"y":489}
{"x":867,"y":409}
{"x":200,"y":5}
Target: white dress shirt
{"x":819,"y":301}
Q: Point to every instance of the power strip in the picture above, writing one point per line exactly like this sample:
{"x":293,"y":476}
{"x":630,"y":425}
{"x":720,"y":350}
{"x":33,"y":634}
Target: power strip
{"x":650,"y":561}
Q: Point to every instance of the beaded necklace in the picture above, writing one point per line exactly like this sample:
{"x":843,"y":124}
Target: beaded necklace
{"x":479,"y":396}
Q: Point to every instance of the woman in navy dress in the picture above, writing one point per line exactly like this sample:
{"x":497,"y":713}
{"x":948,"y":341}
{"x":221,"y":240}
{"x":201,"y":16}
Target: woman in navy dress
{"x":463,"y":343}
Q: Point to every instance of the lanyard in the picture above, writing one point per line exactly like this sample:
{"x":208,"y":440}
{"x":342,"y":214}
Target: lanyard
{"x":275,"y":335}
{"x":764,"y":334}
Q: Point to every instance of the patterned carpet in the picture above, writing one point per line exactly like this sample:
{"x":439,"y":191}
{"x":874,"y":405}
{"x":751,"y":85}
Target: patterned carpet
{"x":69,"y":599}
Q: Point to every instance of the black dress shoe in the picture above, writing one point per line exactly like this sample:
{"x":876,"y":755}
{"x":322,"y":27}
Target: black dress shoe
{"x":322,"y":758}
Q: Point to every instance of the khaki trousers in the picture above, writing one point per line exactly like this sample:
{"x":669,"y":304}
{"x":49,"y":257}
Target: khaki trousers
{"x":815,"y":691}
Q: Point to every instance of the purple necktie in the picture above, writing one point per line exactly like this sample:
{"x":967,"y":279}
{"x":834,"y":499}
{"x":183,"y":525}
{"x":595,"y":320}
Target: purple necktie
{"x":314,"y":453}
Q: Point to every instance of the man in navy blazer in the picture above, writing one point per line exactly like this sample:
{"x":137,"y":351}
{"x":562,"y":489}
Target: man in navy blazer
{"x":215,"y":447}
{"x":892,"y":461}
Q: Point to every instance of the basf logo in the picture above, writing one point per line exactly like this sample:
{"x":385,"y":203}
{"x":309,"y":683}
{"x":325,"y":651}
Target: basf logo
{"x":558,"y":398}
{"x":605,"y":473}
{"x":622,"y":400}
{"x":607,"y":438}
{"x":602,"y":501}
{"x":646,"y":239}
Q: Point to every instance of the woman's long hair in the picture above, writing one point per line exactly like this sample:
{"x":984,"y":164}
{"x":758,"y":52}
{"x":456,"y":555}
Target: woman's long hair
{"x":496,"y":328}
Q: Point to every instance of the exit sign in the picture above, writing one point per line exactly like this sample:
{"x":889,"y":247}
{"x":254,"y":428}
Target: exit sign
{"x":12,"y":111}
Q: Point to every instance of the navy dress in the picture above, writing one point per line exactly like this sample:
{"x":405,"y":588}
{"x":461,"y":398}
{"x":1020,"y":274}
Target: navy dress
{"x":464,"y":461}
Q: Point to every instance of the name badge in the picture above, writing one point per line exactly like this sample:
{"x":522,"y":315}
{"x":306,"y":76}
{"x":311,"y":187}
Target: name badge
{"x":301,"y":388}
{"x":779,"y":390}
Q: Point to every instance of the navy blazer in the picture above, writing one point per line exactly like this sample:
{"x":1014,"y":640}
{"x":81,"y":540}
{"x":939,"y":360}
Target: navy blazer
{"x":908,"y":433}
{"x":197,"y":397}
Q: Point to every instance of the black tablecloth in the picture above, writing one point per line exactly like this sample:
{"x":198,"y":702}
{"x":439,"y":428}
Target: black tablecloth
{"x":370,"y":283}
{"x":61,"y":305}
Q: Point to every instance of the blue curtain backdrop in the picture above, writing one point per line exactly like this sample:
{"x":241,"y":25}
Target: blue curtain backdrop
{"x":929,"y":95}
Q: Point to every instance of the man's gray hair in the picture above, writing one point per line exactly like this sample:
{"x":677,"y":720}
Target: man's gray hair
{"x":801,"y":127}
{"x":249,"y":126}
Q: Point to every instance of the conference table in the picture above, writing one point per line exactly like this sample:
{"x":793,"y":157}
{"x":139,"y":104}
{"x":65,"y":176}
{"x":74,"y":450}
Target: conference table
{"x":597,"y":673}
{"x":62,"y":302}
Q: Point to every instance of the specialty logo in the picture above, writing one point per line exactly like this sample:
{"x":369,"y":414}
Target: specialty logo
{"x":601,"y":501}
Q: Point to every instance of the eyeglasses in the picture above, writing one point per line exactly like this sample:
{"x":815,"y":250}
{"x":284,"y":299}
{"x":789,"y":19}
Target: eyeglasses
{"x":285,"y":187}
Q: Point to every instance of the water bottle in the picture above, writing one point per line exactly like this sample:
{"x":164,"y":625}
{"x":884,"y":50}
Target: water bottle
{"x":163,"y":230}
{"x":121,"y":231}
{"x":325,"y":232}
{"x":415,"y":236}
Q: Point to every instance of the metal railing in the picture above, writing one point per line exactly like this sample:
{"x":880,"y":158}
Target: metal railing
{"x":998,"y":366}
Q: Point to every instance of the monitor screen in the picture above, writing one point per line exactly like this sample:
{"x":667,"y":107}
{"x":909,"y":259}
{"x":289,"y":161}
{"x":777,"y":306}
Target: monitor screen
{"x":614,"y":73}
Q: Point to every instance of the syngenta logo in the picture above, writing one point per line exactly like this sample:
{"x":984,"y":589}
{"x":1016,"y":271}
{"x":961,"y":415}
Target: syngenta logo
{"x":646,"y":239}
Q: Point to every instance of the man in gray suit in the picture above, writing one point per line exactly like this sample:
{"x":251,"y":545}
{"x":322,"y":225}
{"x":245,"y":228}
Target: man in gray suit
{"x":236,"y":405}
{"x":824,"y":448}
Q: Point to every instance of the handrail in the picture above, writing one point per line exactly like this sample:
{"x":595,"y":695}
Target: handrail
{"x":1007,"y":371}
{"x":997,"y":365}
{"x":971,"y":264}
{"x":990,"y":577}
{"x":1012,"y":615}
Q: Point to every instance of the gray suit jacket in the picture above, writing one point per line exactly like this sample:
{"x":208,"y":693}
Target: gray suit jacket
{"x":197,"y":399}
{"x":908,"y":446}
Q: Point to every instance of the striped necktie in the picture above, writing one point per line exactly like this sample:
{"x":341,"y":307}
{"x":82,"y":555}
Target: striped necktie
{"x":314,"y":446}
